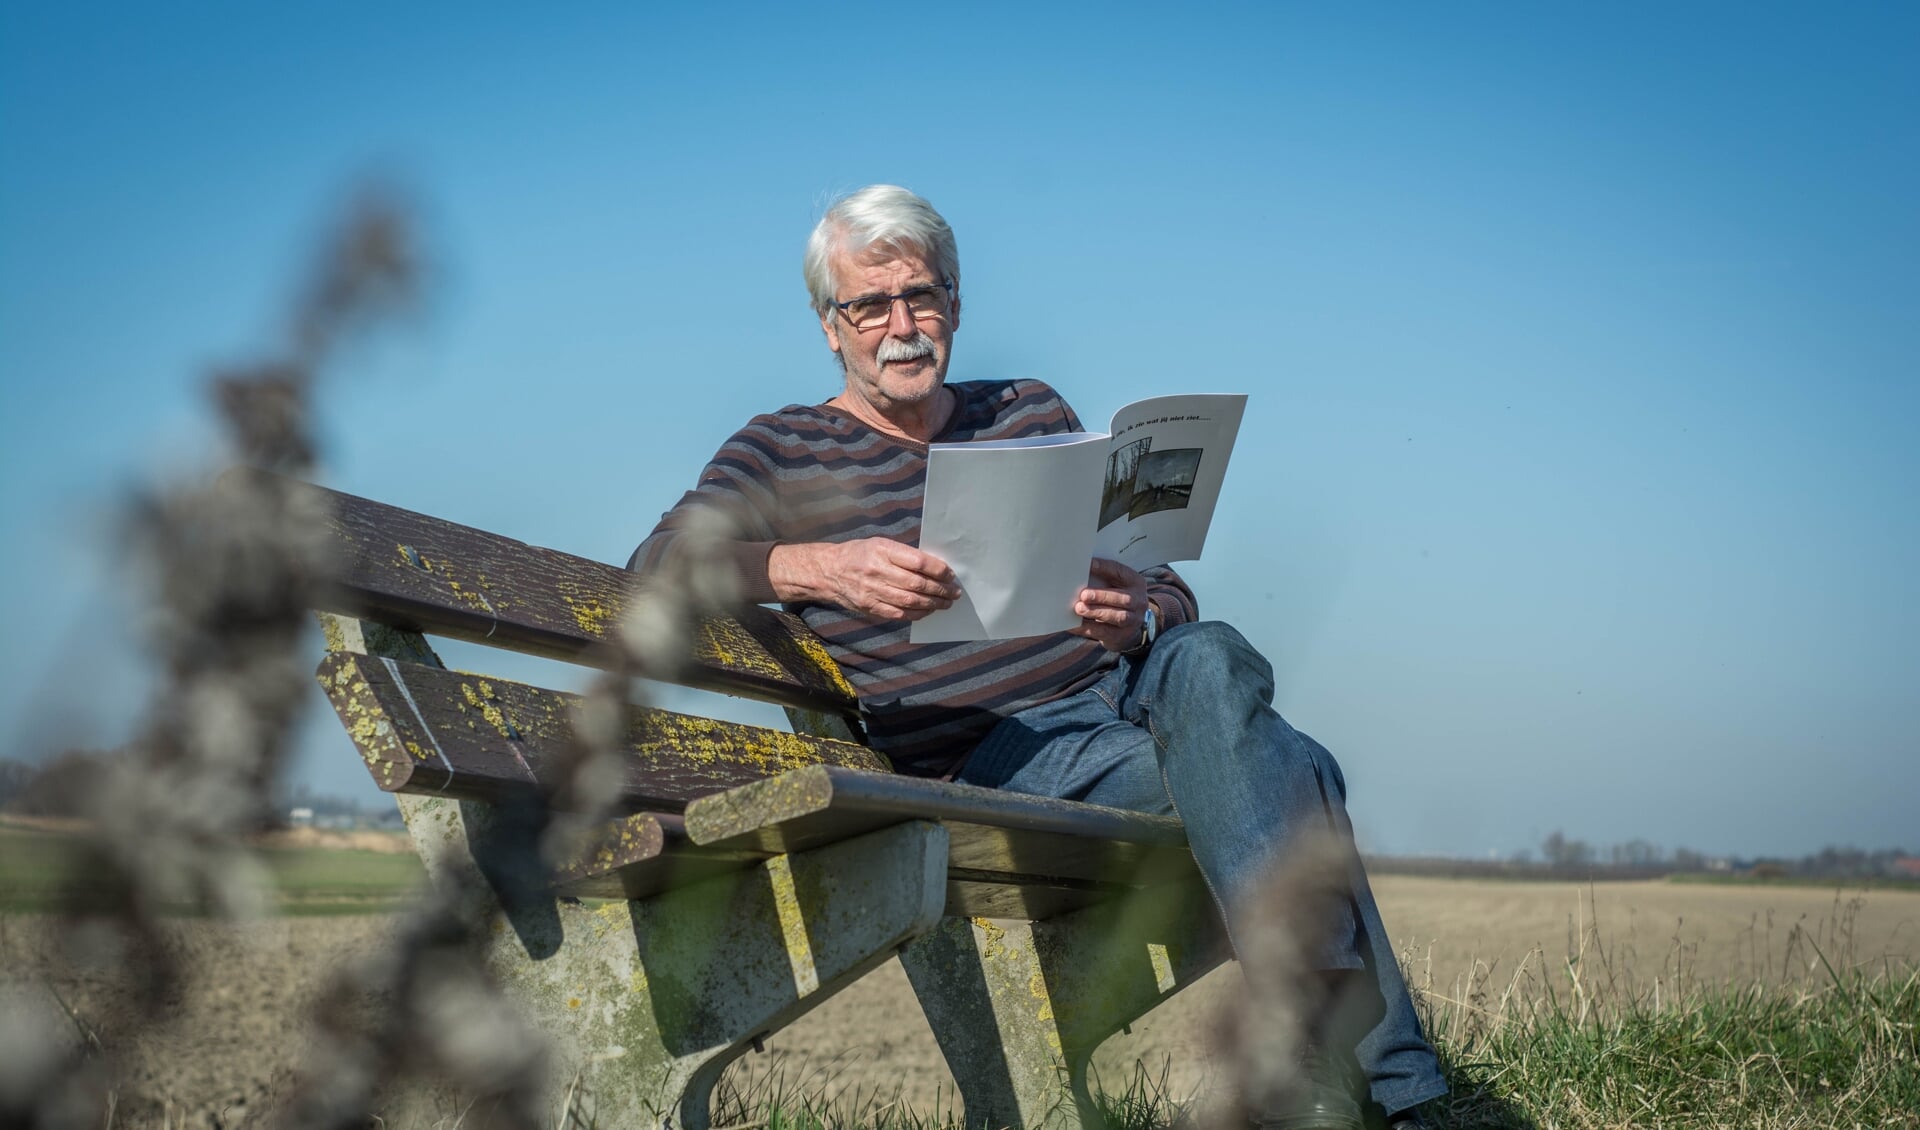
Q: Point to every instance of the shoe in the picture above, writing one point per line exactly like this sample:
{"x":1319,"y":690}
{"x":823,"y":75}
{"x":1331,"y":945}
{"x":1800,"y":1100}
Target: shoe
{"x":1322,"y":1100}
{"x":1408,"y":1120}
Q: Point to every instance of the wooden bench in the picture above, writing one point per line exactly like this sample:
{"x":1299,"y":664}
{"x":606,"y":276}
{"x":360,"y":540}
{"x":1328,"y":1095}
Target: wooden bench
{"x":749,"y":873}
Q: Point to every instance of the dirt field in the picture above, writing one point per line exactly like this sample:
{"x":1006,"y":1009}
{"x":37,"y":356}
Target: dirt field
{"x":1444,"y":926}
{"x":235,"y":1037}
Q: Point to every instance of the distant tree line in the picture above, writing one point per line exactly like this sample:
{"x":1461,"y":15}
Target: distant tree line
{"x":1560,"y":852}
{"x":53,"y":787}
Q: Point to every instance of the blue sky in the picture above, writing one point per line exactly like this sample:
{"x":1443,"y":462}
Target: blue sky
{"x":1577,"y":486}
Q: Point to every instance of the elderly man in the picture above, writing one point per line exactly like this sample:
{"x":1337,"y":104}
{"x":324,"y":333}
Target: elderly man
{"x":1143,"y":706}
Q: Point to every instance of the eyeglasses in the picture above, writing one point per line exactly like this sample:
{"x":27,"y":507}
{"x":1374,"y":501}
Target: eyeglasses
{"x":923,"y":302}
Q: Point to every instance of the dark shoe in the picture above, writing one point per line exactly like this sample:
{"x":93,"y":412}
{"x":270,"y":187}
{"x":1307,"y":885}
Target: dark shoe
{"x":1321,"y":1100}
{"x":1407,"y":1120}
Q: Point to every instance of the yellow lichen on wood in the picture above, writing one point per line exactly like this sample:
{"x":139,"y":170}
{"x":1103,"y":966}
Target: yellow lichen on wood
{"x":486,"y":702}
{"x":817,"y":652}
{"x":497,"y":718}
{"x":593,"y":611}
{"x":366,"y":724}
{"x":727,"y":645}
{"x":723,"y":642}
{"x":486,"y":585}
{"x":471,"y":598}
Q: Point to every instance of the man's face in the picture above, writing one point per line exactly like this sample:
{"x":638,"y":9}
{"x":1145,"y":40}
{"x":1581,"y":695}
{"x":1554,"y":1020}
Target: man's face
{"x":899,"y":366}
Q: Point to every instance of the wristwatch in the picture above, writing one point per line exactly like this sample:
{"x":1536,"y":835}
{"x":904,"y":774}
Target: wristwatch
{"x":1149,"y":630}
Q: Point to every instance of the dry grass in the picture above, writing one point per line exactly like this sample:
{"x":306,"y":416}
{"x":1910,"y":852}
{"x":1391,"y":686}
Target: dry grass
{"x":1731,"y":1027}
{"x":1810,"y":1034}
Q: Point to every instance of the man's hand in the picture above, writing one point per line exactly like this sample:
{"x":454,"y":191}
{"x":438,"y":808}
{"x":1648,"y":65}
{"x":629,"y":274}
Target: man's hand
{"x":875,"y":577}
{"x":1113,"y":606}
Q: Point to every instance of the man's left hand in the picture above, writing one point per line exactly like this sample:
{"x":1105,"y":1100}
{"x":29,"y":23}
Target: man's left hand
{"x":1113,"y":606}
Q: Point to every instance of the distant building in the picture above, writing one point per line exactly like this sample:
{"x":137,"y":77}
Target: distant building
{"x":300,"y":817}
{"x":1906,"y":866}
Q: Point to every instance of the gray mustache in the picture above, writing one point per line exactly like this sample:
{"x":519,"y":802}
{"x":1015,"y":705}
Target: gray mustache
{"x":893,"y":349}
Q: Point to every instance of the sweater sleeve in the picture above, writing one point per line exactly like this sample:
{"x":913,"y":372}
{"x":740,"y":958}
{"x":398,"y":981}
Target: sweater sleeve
{"x":737,"y":485}
{"x":1169,"y":594}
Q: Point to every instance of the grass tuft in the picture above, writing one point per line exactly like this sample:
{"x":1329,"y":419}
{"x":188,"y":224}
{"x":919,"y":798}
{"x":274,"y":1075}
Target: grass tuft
{"x":1819,"y":1039}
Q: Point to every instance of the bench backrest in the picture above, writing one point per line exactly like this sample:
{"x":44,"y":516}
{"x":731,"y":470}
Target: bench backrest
{"x":424,"y":729}
{"x":410,"y":571}
{"x":421,"y":574}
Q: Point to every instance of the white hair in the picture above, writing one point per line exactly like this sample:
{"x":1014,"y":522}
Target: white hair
{"x":879,"y":215}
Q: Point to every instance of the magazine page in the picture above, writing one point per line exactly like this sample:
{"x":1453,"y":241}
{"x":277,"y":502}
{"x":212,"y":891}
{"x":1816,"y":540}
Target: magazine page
{"x":1015,"y":520}
{"x":1166,"y":459}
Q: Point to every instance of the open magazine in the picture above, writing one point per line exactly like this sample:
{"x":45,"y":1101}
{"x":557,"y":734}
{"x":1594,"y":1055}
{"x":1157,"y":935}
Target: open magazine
{"x":1019,"y":520}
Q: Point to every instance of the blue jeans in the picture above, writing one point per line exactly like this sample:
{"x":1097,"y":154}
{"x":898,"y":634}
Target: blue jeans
{"x":1189,"y":729}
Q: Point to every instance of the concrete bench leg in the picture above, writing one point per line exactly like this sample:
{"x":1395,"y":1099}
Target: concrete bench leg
{"x":1019,"y":1007}
{"x":646,"y":1002}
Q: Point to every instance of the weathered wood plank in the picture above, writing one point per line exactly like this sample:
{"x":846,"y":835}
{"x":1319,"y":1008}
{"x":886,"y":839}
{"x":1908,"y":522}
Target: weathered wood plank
{"x":970,"y":893}
{"x":1011,"y":855}
{"x":429,"y":730}
{"x":424,"y":574}
{"x":678,"y":863}
{"x":625,"y":842}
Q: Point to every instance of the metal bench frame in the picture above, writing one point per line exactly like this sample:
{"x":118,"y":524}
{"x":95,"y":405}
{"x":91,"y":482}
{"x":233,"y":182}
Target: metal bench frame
{"x":752,"y":873}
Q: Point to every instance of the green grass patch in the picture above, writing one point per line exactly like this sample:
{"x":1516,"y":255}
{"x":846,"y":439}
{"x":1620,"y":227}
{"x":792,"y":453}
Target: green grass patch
{"x":1734,"y":1057}
{"x":323,"y":873}
{"x":40,"y":871}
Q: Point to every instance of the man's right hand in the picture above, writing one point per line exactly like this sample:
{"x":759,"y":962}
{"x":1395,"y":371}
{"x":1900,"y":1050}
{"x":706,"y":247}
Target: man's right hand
{"x":872,"y":576}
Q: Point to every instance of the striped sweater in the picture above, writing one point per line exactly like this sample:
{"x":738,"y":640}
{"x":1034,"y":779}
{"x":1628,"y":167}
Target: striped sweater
{"x":812,"y":473}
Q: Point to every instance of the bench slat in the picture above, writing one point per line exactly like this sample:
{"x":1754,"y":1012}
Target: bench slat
{"x":1033,"y":855}
{"x":969,"y":894}
{"x":629,"y":840}
{"x":446,"y":733}
{"x":677,"y":863}
{"x":423,"y":574}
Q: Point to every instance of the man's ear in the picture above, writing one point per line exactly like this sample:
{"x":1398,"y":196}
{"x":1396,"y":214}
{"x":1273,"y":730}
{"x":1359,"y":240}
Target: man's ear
{"x":953,"y":319}
{"x":832,"y":331}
